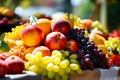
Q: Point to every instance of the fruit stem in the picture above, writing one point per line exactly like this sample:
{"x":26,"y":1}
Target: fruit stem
{"x":33,"y":20}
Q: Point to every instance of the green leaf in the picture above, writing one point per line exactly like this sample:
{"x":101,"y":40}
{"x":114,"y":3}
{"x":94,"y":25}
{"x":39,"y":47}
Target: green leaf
{"x":2,"y":36}
{"x":4,"y":46}
{"x":33,"y":20}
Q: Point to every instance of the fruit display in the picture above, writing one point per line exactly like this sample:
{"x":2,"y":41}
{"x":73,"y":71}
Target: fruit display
{"x":58,"y":48}
{"x":8,"y":19}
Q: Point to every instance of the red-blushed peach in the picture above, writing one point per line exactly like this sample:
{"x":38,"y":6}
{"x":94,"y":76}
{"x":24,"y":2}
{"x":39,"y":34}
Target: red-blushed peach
{"x":56,"y":41}
{"x":45,"y":50}
{"x":62,"y":25}
{"x":32,"y":35}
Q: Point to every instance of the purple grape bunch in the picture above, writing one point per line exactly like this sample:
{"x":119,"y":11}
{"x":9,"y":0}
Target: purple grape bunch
{"x":89,"y":56}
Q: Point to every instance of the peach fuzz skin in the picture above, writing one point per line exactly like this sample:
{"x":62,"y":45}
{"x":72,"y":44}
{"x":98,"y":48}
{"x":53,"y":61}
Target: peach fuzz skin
{"x":32,"y":35}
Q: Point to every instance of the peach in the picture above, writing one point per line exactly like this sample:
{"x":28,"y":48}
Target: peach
{"x":32,"y":35}
{"x":45,"y":50}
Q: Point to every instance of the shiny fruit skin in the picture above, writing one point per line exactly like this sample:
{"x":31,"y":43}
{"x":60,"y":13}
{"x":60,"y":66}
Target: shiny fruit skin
{"x":7,"y":12}
{"x":3,"y":68}
{"x":61,"y":25}
{"x":45,"y":25}
{"x":72,"y":45}
{"x":56,"y":41}
{"x":45,"y":50}
{"x":32,"y":35}
{"x":15,"y":64}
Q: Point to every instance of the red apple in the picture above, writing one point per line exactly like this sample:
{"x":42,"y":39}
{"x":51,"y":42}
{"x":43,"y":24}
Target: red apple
{"x":32,"y":35}
{"x":72,"y":45}
{"x":15,"y":64}
{"x":61,"y":25}
{"x":3,"y":68}
{"x":56,"y":41}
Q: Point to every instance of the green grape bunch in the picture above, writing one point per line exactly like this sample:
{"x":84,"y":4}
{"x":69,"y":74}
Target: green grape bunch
{"x":58,"y":66}
{"x":113,"y":44}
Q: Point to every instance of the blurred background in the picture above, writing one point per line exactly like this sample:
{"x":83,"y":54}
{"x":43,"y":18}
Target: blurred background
{"x":105,"y":11}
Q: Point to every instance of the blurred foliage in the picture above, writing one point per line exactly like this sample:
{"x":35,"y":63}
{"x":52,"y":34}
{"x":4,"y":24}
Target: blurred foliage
{"x":113,"y":10}
{"x":85,"y":9}
{"x":113,"y":15}
{"x":12,"y":4}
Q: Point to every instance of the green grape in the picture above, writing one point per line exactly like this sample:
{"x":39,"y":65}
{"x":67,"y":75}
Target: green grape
{"x":67,"y":53}
{"x":62,"y":58}
{"x":74,"y":61}
{"x":44,"y":72}
{"x":112,"y":44}
{"x":61,"y":72}
{"x":50,"y":66}
{"x":64,"y":63}
{"x":32,"y":60}
{"x":74,"y":66}
{"x":28,"y":56}
{"x":73,"y":56}
{"x":34,"y":68}
{"x":57,"y":60}
{"x":52,"y":57}
{"x":72,"y":72}
{"x":38,"y":56}
{"x":62,"y":51}
{"x":79,"y":71}
{"x":56,"y":68}
{"x":57,"y":77}
{"x":67,"y":70}
{"x":57,"y":53}
{"x":54,"y":52}
{"x":96,"y":24}
{"x":50,"y":75}
{"x":65,"y":77}
{"x":44,"y":66}
{"x":46,"y":59}
{"x":27,"y":65}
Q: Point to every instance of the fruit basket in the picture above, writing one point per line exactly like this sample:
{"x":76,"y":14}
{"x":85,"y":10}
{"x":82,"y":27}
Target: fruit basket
{"x":63,"y":48}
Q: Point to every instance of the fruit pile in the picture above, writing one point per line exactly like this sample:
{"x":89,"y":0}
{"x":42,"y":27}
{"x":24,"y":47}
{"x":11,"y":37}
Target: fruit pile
{"x":60,"y":47}
{"x":6,"y":11}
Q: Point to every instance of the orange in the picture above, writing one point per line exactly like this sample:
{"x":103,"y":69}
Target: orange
{"x":1,"y":9}
{"x":7,"y":12}
{"x":44,"y":24}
